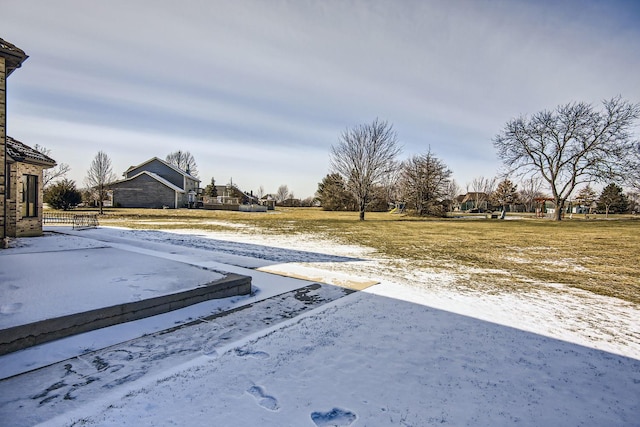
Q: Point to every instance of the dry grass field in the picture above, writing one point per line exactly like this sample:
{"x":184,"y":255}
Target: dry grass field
{"x":601,"y":256}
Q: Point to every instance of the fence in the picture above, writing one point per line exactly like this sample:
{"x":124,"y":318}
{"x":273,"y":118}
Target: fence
{"x":78,"y":221}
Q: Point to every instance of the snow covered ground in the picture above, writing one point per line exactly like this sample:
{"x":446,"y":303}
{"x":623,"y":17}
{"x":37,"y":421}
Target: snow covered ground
{"x":416,"y":349}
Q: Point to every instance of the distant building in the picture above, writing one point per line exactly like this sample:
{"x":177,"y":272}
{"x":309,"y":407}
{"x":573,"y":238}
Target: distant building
{"x":155,"y":184}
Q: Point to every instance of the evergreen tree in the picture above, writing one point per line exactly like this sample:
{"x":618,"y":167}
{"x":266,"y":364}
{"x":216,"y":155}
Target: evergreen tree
{"x":506,"y":194}
{"x":586,"y":197}
{"x":333,"y":194}
{"x":612,"y":199}
{"x":211,"y":190}
{"x":62,"y":195}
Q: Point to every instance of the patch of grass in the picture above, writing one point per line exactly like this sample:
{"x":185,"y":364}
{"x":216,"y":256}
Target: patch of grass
{"x":598,"y":256}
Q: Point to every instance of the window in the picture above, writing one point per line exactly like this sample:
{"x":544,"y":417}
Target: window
{"x":29,"y":195}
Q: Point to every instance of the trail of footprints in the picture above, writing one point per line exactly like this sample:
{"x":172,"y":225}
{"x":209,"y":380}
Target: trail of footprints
{"x":336,"y":417}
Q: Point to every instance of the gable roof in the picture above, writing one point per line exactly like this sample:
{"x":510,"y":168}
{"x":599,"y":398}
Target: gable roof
{"x":158,"y":178}
{"x":23,"y":153}
{"x":474,"y":196}
{"x":14,"y":56}
{"x":180,"y":171}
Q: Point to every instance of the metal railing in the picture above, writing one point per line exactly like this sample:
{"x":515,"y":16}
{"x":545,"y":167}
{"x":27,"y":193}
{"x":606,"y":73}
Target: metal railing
{"x":78,"y":221}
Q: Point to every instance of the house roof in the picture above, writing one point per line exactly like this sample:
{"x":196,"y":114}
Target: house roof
{"x":473,"y":196}
{"x":13,"y":55}
{"x":154,"y":176}
{"x":20,"y":152}
{"x":165,"y":163}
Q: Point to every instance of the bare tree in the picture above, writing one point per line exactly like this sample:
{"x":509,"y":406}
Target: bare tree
{"x":530,"y":190}
{"x":571,"y":145}
{"x":452,"y":192}
{"x":260,"y":192}
{"x":363,"y":156}
{"x":425,"y":180}
{"x":99,"y":176}
{"x":282,"y":194}
{"x":52,"y":174}
{"x":184,"y":161}
{"x":481,"y":189}
{"x":633,"y":178}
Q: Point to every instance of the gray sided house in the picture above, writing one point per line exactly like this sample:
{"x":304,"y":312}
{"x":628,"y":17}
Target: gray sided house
{"x":155,"y":184}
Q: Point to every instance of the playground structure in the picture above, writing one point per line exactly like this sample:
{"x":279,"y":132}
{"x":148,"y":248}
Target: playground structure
{"x":398,"y":208}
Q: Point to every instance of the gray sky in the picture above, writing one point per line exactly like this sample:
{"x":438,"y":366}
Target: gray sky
{"x":258,"y":91}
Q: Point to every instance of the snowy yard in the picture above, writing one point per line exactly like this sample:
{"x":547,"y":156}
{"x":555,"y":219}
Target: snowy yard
{"x":413,"y":350}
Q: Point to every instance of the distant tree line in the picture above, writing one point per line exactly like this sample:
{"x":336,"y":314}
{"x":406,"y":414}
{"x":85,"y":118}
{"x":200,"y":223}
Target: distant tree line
{"x":560,"y":150}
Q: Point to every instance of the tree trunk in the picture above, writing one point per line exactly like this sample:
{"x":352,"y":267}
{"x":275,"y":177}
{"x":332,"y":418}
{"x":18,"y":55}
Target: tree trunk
{"x":363,"y":205}
{"x":559,"y":209}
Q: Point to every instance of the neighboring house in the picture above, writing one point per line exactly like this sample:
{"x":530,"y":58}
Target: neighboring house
{"x":155,"y":184}
{"x":472,"y":201}
{"x":24,"y":189}
{"x":269,"y":201}
{"x":229,"y":194}
{"x":11,"y":58}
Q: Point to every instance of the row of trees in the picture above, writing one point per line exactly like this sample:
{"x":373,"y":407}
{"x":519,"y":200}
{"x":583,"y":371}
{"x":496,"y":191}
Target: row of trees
{"x":564,"y":149}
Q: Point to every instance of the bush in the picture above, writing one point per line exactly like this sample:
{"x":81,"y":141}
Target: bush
{"x":62,"y":195}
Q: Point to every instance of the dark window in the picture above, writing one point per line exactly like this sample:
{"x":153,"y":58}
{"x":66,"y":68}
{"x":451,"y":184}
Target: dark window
{"x":29,"y":195}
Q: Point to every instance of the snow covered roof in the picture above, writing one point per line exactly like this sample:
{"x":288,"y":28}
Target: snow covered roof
{"x":21,"y":152}
{"x":14,"y":56}
{"x":154,"y":176}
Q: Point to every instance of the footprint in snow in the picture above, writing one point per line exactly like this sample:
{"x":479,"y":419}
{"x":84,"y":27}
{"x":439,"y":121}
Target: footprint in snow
{"x":253,"y":354}
{"x":10,"y":308}
{"x":334,"y":418}
{"x":262,"y":399}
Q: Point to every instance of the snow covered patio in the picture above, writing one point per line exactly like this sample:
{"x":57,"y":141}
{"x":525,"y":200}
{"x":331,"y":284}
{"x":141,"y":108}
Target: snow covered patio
{"x":409,"y":351}
{"x":60,"y":285}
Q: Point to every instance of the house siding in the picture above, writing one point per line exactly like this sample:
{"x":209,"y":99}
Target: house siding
{"x":143,"y":192}
{"x":161,"y":170}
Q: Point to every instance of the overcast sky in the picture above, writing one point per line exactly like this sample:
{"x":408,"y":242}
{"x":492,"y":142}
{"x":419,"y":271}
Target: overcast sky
{"x":258,"y":91}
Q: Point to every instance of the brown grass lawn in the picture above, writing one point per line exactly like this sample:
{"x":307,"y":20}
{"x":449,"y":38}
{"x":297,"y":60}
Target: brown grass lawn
{"x":600,"y":256}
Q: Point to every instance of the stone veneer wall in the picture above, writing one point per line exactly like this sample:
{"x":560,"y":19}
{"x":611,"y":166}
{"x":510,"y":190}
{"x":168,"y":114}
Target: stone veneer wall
{"x":3,"y":142}
{"x":17,"y":226}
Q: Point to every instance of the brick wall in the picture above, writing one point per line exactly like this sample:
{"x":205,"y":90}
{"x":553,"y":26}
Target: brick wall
{"x":3,"y":118}
{"x":17,"y":226}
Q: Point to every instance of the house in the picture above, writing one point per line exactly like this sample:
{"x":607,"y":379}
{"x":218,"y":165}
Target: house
{"x":269,"y":201}
{"x":155,"y":184}
{"x":23,"y":189}
{"x":231,"y":197}
{"x":472,"y":201}
{"x":11,"y":58}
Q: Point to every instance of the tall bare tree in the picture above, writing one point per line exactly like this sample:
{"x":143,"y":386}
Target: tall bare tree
{"x":52,"y":174}
{"x":363,"y":156}
{"x":283,"y":193}
{"x":530,"y":190}
{"x":481,"y":189}
{"x":184,"y":161}
{"x":453,"y":191}
{"x":425,"y":180}
{"x":571,"y":145}
{"x":99,"y":176}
